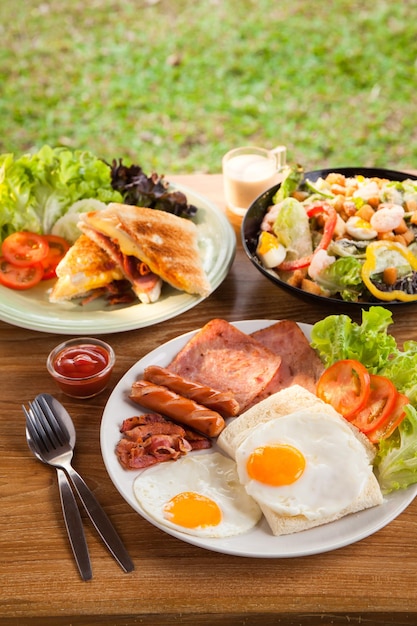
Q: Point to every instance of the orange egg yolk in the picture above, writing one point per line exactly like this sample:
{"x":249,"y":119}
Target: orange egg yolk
{"x":267,"y":242}
{"x":192,"y":510}
{"x":276,"y":465}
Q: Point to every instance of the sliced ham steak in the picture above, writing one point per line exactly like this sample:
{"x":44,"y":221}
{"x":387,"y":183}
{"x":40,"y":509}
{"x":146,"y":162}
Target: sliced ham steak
{"x":300,"y":364}
{"x":224,"y":358}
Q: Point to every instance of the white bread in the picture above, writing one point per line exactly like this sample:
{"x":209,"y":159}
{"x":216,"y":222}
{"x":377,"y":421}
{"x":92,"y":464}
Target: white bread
{"x":282,"y":403}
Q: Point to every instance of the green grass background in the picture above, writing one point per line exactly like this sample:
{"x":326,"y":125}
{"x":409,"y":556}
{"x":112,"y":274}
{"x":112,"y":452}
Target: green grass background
{"x":172,"y":85}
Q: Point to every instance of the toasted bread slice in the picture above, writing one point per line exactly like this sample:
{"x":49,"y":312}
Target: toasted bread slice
{"x":166,"y":243}
{"x":283,"y":403}
{"x":85,"y":267}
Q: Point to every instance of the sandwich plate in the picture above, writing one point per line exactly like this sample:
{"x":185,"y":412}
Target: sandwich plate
{"x":258,"y":542}
{"x":32,"y":309}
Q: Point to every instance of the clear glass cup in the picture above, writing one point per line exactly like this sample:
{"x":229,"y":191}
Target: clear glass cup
{"x":82,"y":366}
{"x":249,"y":171}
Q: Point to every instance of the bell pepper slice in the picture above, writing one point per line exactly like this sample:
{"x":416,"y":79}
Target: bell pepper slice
{"x":370,"y":263}
{"x":328,"y":230}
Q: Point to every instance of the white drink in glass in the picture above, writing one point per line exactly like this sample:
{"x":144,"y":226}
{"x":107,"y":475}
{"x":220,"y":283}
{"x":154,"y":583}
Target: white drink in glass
{"x":247,"y":172}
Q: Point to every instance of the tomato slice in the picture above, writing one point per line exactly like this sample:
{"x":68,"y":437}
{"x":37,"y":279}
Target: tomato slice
{"x":346,"y":386}
{"x":24,"y":248}
{"x":58,"y":247}
{"x":379,"y":406}
{"x":17,"y":277}
{"x":394,"y":419}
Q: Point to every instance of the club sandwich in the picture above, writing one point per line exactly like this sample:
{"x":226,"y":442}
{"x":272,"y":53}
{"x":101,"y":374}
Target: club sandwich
{"x":149,"y":247}
{"x":87,"y":271}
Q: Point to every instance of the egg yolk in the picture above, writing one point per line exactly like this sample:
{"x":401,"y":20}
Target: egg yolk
{"x":192,"y":510}
{"x":276,"y":465}
{"x":361,"y":223}
{"x":267,"y":242}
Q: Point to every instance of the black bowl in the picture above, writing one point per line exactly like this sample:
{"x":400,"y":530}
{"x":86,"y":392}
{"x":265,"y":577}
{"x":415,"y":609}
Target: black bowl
{"x":252,"y":221}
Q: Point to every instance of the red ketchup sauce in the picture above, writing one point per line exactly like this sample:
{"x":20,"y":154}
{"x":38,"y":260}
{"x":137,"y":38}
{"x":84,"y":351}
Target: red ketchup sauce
{"x":82,"y":370}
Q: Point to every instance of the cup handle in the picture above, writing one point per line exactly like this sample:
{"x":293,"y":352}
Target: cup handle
{"x":280,"y":153}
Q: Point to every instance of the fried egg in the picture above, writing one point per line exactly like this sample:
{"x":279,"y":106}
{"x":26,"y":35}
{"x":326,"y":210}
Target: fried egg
{"x":199,"y":494}
{"x":303,"y":464}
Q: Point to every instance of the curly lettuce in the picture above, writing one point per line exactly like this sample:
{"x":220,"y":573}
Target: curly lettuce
{"x":37,"y":189}
{"x":396,"y":461}
{"x":337,"y":337}
{"x":402,"y":370}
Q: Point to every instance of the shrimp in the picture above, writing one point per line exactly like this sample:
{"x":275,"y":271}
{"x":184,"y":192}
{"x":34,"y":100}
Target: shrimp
{"x":320,"y":261}
{"x":270,"y":217}
{"x":388,"y":217}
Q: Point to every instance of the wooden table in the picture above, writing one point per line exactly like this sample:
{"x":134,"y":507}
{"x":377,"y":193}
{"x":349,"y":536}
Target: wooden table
{"x":373,"y":581}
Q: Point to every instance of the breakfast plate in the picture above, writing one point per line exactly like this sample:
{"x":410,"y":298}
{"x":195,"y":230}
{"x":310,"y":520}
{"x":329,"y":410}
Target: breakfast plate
{"x":32,"y":309}
{"x":258,"y":542}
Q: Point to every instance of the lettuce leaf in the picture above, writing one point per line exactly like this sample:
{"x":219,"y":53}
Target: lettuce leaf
{"x":293,"y":176}
{"x":292,"y":229}
{"x":402,"y":371}
{"x":337,"y":337}
{"x":396,"y":461}
{"x":37,"y":189}
{"x":344,"y":276}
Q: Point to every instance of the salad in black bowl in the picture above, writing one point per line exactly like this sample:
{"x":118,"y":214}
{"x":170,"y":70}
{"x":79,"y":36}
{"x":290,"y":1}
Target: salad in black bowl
{"x":347,"y":234}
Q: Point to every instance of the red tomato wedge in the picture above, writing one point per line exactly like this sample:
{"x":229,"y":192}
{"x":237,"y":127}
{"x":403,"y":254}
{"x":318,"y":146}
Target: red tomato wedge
{"x":394,"y":419}
{"x":58,"y":247}
{"x":24,"y":248}
{"x":346,"y":386}
{"x":380,"y":404}
{"x":17,"y":277}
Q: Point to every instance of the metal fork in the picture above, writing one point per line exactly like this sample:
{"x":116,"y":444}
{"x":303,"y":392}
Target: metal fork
{"x":53,"y":439}
{"x":72,"y":517}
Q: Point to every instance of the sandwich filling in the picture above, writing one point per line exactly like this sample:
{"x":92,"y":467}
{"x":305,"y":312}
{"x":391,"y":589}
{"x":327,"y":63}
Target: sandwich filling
{"x":149,"y":246}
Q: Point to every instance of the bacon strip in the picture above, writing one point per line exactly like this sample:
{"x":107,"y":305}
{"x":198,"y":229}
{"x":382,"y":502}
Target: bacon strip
{"x":150,"y":439}
{"x":133,"y":268}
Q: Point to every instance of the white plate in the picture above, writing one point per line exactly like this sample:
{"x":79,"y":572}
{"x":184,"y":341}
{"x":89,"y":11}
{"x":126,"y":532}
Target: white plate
{"x":32,"y":309}
{"x":259,"y":542}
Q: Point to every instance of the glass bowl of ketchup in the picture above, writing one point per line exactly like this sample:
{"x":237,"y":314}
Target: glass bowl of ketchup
{"x":81,"y":367}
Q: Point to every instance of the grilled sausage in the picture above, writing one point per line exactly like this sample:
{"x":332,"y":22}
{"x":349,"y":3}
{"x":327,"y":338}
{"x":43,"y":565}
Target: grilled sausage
{"x":183,"y":410}
{"x":220,"y":401}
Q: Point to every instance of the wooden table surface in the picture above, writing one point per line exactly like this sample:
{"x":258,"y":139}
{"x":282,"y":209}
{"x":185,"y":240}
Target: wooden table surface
{"x":373,"y":581}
